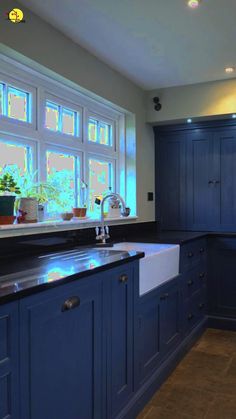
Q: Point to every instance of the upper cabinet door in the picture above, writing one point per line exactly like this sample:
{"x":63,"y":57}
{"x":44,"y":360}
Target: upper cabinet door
{"x":201,"y":204}
{"x":225,"y":179}
{"x":170,"y":180}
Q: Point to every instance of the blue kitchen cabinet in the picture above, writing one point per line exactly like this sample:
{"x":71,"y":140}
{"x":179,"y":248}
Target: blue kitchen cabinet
{"x":119,"y":317}
{"x":222,"y":279}
{"x":9,"y":361}
{"x":61,"y":352}
{"x":170,"y":316}
{"x":159,"y":328}
{"x":201,"y":199}
{"x":225,"y":185}
{"x":147,"y":336}
{"x":170,"y":180}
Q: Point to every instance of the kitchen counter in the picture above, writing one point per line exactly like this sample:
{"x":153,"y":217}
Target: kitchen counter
{"x":28,"y":275}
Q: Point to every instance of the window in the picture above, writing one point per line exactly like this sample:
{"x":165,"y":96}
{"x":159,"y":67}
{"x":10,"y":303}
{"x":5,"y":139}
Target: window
{"x":15,"y":103}
{"x":74,"y":144}
{"x":15,"y":159}
{"x":99,"y":132}
{"x":61,"y":119}
{"x":62,"y":174}
{"x":18,"y":104}
{"x":100,"y":182}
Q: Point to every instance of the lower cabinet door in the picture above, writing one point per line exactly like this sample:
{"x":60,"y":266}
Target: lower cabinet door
{"x":61,"y":352}
{"x":120,"y":338}
{"x":148,"y":335}
{"x":222,"y":279}
{"x":170,"y":317}
{"x":9,"y":367}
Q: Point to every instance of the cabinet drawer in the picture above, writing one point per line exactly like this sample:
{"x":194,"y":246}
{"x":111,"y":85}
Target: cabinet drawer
{"x":192,"y":254}
{"x":195,"y":310}
{"x":193,"y":280}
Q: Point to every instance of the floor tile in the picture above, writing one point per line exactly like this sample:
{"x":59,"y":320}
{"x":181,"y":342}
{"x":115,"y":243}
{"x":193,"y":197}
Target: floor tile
{"x":203,"y":386}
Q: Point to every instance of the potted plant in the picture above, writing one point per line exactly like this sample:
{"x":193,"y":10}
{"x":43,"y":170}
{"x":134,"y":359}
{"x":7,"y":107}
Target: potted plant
{"x":8,"y":191}
{"x":34,"y":196}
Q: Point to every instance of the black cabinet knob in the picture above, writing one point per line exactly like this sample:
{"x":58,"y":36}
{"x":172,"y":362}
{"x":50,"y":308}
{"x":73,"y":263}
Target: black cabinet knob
{"x":202,"y":250}
{"x":202,"y":275}
{"x":190,"y":254}
{"x":201,"y":305}
{"x":123,"y":278}
{"x":190,"y":316}
{"x":190,"y":282}
{"x":70,"y":304}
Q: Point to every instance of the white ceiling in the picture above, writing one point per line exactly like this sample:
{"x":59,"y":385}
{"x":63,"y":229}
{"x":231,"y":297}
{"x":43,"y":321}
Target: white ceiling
{"x":155,"y":43}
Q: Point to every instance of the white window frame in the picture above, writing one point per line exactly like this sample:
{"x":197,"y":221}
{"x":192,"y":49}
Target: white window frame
{"x":36,"y":135}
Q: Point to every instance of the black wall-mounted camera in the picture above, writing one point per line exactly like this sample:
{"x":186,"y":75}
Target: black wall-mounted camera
{"x":157,"y":103}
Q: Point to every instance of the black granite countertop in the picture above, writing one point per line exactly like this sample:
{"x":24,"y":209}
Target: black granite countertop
{"x":28,"y":275}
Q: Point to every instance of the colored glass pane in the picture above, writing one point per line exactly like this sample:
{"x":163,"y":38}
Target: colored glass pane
{"x":68,"y":121}
{"x":18,"y":104}
{"x":100,"y":182}
{"x":52,"y":116}
{"x":92,"y":130}
{"x":61,"y":174}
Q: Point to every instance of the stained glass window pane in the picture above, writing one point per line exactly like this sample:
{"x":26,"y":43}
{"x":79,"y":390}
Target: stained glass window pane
{"x":100,"y":182}
{"x":93,"y":130}
{"x":18,"y":104}
{"x":62,"y":170}
{"x":52,"y":116}
{"x":68,"y":121}
{"x":15,"y":159}
{"x":1,"y":99}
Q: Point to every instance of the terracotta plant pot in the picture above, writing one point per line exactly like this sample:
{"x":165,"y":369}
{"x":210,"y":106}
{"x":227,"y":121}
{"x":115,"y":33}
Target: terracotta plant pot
{"x":79,"y":212}
{"x":7,"y":219}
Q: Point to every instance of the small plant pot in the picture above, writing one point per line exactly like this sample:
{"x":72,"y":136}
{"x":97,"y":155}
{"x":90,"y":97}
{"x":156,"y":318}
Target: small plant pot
{"x":7,"y":206}
{"x":67,"y":216}
{"x":79,"y":212}
{"x":7,"y":219}
{"x":30,"y":207}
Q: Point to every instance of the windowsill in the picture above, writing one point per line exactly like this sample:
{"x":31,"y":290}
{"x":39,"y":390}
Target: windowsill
{"x":12,"y":230}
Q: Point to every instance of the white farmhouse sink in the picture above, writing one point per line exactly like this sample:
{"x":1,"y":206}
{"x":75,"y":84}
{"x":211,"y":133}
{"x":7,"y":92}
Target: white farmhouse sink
{"x":161,"y":263}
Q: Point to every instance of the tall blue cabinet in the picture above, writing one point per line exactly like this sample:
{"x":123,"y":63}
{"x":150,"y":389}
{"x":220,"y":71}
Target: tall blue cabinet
{"x":195,"y":176}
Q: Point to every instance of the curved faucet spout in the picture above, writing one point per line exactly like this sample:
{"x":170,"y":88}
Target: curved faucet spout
{"x":125,"y":213}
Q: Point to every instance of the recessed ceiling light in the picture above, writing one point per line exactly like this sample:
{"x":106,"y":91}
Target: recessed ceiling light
{"x":189,"y":120}
{"x":193,"y":3}
{"x":229,"y":70}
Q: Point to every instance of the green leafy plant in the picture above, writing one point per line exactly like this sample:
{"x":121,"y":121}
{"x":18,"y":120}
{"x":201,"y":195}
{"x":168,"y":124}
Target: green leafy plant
{"x":8,"y":186}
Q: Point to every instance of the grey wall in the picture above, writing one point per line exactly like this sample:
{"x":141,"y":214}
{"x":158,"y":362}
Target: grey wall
{"x":40,"y":42}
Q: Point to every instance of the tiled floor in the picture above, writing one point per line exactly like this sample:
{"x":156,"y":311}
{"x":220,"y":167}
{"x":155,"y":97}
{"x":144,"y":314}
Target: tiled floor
{"x":203,"y":386}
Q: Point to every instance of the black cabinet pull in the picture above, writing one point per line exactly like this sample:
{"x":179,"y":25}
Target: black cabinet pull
{"x":164,"y":296}
{"x":123,"y":278}
{"x":201,"y":305}
{"x":202,"y":250}
{"x":190,"y":282}
{"x":210,"y":182}
{"x":190,"y":254}
{"x":190,"y":316}
{"x":70,"y":303}
{"x":202,"y":275}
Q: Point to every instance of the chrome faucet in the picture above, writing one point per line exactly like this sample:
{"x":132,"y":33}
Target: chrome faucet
{"x":102,"y":232}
